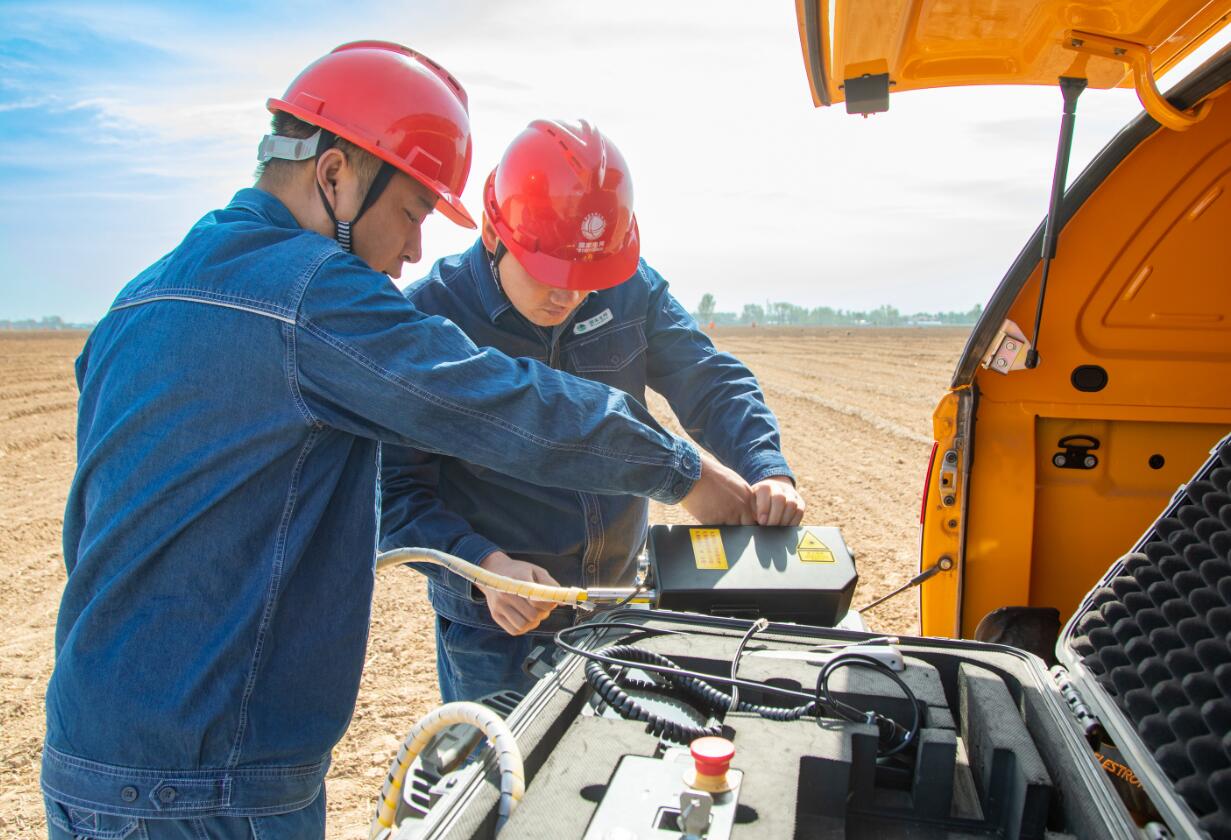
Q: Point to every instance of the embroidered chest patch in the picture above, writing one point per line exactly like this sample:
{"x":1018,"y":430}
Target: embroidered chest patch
{"x":591,"y":324}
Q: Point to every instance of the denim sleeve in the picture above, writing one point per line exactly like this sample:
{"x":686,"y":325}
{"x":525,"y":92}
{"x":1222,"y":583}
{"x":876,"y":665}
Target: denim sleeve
{"x":367,"y":362}
{"x":412,"y":515}
{"x":716,"y":397}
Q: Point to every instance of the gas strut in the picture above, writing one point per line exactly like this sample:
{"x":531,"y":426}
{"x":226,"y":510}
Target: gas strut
{"x":1070,"y":89}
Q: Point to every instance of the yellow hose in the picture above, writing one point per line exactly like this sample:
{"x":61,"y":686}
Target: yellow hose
{"x":493,"y":727}
{"x":570,"y":595}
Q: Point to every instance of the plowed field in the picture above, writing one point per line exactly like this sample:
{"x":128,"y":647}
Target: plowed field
{"x":855,"y":408}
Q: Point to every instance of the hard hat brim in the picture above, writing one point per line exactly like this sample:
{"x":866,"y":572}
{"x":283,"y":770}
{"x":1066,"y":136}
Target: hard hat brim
{"x":582,"y":275}
{"x":449,"y":205}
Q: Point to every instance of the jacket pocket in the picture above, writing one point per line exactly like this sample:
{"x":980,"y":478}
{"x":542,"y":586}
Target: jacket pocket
{"x":609,"y":351}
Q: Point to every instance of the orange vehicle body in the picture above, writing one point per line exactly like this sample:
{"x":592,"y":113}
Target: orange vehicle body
{"x":1138,"y":298}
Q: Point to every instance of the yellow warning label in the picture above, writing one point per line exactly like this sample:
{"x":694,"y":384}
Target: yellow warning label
{"x":812,"y":550}
{"x":707,"y":548}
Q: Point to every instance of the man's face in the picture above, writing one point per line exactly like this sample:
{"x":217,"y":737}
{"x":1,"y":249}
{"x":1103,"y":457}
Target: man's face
{"x":388,"y":234}
{"x":541,"y":304}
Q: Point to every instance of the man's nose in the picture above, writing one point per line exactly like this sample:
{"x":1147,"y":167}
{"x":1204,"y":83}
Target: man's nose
{"x":414,"y":246}
{"x":566,"y":297}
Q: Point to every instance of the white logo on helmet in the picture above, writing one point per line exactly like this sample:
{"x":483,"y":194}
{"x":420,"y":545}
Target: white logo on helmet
{"x":593,"y":225}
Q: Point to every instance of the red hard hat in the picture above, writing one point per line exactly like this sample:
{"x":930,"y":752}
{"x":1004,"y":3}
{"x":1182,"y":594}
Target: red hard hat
{"x":397,"y":104}
{"x":561,"y":201}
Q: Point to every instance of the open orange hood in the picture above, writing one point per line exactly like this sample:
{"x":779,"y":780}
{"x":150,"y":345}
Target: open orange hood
{"x":858,"y":50}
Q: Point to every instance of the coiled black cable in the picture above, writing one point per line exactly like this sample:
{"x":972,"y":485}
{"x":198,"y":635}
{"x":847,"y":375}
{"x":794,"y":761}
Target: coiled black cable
{"x":894,"y":738}
{"x":712,"y":699}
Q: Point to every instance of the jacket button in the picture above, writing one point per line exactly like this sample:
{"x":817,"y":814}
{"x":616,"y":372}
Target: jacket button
{"x":614,"y":359}
{"x":167,"y":795}
{"x":678,"y":487}
{"x":128,"y":793}
{"x":594,"y":519}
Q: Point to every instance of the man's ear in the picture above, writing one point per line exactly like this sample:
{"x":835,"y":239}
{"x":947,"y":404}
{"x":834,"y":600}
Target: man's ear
{"x":489,"y":235}
{"x":329,"y":167}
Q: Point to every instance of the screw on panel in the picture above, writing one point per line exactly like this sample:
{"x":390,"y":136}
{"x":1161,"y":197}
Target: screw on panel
{"x":949,"y":500}
{"x":951,"y":457}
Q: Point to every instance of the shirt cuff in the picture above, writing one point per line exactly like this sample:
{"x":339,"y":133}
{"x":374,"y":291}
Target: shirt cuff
{"x":763,"y":465}
{"x":472,"y":548}
{"x":681,"y":476}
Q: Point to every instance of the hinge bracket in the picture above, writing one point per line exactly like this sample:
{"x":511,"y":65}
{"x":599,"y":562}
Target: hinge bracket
{"x":1090,"y":725}
{"x":1137,"y":57}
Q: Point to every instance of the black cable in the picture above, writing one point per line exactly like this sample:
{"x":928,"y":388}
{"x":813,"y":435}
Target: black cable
{"x":757,"y":626}
{"x":608,"y":687}
{"x":624,"y":602}
{"x":668,"y":671}
{"x":893,"y":738}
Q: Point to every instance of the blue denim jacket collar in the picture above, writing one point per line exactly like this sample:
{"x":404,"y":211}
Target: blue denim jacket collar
{"x":265,"y":205}
{"x":493,"y":299}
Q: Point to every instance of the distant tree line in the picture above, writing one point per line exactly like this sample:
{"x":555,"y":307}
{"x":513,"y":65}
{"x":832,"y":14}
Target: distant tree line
{"x":783,"y":313}
{"x":50,"y":322}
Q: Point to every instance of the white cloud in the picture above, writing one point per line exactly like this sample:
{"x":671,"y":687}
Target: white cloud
{"x":743,"y":188}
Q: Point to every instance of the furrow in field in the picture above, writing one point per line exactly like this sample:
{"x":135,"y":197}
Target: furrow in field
{"x":42,"y":408}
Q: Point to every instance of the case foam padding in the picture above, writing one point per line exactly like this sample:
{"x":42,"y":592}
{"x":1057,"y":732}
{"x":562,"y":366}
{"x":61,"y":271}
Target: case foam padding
{"x":1157,"y":636}
{"x":1003,"y":757}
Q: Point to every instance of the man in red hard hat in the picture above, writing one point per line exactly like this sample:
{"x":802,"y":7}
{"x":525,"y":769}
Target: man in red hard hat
{"x":557,"y":277}
{"x":220,"y":532}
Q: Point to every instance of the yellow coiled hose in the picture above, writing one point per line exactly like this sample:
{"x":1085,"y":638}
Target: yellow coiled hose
{"x":512,"y":776}
{"x":570,"y":595}
{"x":493,"y":727}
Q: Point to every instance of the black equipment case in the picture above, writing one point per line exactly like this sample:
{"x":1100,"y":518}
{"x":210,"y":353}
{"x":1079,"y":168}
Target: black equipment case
{"x":1129,"y":737}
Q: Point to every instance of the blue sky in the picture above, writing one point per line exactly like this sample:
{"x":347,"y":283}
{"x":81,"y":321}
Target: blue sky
{"x":121,"y":124}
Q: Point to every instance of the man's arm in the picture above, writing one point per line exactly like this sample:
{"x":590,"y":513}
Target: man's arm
{"x":412,"y":515}
{"x":717,"y":399}
{"x":364,"y":360}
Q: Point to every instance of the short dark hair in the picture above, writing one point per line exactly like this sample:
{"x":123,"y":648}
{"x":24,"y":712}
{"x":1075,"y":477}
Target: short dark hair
{"x":284,"y":125}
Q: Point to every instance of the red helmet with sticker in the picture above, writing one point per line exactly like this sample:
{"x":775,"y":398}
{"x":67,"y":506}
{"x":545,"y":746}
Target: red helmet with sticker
{"x":395,"y":103}
{"x":561,"y":201}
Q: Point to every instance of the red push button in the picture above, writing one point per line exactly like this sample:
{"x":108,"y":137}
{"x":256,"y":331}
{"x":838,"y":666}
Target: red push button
{"x":711,"y":760}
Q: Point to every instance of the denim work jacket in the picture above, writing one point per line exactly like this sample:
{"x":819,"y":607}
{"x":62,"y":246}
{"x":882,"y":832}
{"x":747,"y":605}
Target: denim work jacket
{"x":632,"y":337}
{"x":221,"y":528}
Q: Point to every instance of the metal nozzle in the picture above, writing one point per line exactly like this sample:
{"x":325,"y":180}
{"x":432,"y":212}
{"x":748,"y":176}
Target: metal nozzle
{"x":614,"y":595}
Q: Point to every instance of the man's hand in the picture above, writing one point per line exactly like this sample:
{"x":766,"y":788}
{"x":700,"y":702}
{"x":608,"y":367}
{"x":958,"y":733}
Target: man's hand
{"x":720,"y":496}
{"x":516,"y":615}
{"x":777,"y":502}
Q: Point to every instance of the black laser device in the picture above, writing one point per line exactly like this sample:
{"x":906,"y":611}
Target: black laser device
{"x":804,"y":575}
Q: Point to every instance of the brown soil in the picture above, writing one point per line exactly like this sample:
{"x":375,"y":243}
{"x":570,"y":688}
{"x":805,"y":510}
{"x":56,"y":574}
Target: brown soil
{"x":855,"y":409}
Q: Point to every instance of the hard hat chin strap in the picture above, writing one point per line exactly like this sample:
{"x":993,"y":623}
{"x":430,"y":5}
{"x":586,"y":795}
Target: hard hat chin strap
{"x":493,"y":259}
{"x":344,"y":231}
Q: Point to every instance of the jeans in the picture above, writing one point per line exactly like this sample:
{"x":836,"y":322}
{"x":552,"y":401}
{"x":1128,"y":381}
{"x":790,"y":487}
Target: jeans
{"x":472,"y":662}
{"x":65,"y":822}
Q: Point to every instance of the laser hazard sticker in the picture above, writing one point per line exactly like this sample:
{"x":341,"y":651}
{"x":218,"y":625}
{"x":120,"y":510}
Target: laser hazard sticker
{"x":707,"y":548}
{"x":812,"y":550}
